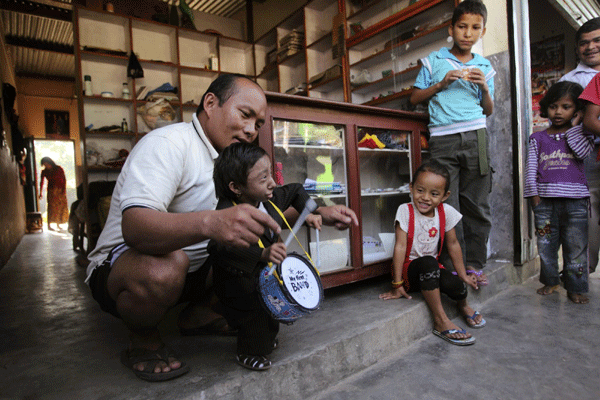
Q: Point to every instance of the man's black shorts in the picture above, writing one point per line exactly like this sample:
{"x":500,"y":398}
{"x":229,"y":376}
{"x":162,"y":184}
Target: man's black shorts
{"x":193,"y":290}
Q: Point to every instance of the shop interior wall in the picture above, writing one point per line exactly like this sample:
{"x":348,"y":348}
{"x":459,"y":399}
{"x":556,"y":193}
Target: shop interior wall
{"x":37,"y":95}
{"x":12,"y":212}
{"x":540,"y":12}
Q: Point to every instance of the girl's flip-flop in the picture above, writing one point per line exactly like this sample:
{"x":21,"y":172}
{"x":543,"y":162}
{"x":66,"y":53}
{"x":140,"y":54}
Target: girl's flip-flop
{"x":458,"y":342}
{"x":474,"y":324}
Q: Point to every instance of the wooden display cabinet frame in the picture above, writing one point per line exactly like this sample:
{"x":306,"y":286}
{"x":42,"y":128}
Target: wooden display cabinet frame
{"x":351,"y":116}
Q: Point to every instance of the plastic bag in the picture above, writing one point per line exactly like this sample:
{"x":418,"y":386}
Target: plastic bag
{"x":157,"y":114}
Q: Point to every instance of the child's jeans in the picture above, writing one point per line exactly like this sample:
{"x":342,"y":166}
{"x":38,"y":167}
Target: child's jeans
{"x":560,"y":221}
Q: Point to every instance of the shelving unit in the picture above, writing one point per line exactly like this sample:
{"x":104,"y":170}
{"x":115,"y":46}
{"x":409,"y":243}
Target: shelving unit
{"x":167,"y":54}
{"x":389,"y":43}
{"x":384,"y":38}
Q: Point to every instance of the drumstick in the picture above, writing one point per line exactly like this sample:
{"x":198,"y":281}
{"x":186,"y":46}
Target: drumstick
{"x":309,"y":207}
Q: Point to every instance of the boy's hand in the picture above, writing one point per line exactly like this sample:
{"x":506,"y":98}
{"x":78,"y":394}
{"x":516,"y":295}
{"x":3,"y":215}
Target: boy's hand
{"x":450,"y":77}
{"x":477,"y":76}
{"x":275,"y":253}
{"x":314,"y":221}
{"x":395,"y":294}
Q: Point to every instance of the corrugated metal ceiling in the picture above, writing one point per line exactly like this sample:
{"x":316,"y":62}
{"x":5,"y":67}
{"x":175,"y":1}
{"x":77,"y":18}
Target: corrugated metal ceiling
{"x":44,"y":46}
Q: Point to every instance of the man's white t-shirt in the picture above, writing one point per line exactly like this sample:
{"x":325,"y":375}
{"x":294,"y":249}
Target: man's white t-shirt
{"x":427,"y":229}
{"x":170,"y":170}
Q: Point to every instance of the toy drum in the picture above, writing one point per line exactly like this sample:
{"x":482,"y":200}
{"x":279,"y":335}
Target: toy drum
{"x":300,"y":293}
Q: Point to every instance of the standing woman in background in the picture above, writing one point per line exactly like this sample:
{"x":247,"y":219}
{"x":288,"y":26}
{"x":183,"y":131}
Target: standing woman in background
{"x":58,"y":211}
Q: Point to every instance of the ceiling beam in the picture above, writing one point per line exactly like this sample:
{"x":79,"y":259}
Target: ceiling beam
{"x":39,"y":44}
{"x":41,"y":8}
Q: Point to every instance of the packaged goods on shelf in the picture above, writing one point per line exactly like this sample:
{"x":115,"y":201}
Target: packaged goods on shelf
{"x":290,"y":44}
{"x":330,"y":73}
{"x":312,"y":186}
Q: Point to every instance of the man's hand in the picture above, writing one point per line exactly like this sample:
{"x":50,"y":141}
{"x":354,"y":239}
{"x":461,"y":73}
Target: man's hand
{"x":240,"y":226}
{"x":339,"y":216}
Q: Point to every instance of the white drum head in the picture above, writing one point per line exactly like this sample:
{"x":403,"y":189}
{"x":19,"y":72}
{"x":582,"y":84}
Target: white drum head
{"x":301,"y":282}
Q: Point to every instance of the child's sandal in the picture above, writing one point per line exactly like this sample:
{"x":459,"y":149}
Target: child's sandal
{"x":255,"y":363}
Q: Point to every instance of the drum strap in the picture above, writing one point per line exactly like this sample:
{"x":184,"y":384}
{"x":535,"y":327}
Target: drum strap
{"x":262,"y":246}
{"x":295,"y":237}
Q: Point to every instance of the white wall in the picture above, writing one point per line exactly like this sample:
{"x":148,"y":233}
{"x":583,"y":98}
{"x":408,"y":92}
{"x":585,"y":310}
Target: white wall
{"x":496,"y":36}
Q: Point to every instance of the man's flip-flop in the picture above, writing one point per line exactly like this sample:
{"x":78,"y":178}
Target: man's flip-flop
{"x":458,"y":342}
{"x":473,"y":324}
{"x":217,"y":327}
{"x":152,"y":357}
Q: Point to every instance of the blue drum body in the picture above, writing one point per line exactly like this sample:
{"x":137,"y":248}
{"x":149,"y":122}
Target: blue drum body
{"x":300,"y":294}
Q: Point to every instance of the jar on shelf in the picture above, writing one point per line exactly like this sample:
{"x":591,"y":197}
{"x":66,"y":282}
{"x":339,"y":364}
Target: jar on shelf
{"x":213,"y":62}
{"x":126,"y":93}
{"x":87,"y":80}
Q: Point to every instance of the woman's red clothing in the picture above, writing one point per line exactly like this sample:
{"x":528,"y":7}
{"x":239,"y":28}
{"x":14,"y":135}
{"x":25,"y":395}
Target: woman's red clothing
{"x":58,"y":210}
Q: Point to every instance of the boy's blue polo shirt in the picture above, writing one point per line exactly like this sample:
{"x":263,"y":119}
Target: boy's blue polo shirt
{"x":458,"y":107}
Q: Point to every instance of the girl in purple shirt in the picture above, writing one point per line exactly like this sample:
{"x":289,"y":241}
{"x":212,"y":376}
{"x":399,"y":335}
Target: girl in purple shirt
{"x":557,"y":188}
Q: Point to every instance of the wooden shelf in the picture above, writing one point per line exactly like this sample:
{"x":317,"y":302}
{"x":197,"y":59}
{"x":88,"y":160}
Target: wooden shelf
{"x":375,"y":151}
{"x":104,"y":54}
{"x":384,"y":193}
{"x":308,"y":146}
{"x":401,"y":16}
{"x":389,"y":98}
{"x":327,"y":85}
{"x":383,"y":82}
{"x":106,"y":99}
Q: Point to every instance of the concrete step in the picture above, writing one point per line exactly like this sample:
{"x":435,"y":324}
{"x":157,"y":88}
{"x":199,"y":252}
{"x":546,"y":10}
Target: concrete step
{"x":352,"y":331}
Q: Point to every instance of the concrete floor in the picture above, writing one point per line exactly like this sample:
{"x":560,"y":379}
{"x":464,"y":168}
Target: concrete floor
{"x":56,"y":343}
{"x":533,"y":347}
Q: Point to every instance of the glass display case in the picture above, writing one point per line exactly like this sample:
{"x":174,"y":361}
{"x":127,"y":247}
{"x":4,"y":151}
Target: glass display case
{"x":358,"y":156}
{"x":314,"y":154}
{"x":385,"y":173}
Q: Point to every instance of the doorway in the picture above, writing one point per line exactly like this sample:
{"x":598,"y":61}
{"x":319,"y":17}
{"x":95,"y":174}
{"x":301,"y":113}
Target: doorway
{"x":62,"y":152}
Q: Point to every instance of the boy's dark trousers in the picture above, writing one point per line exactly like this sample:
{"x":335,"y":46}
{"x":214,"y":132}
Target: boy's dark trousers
{"x":241,"y":306}
{"x":469,"y":193}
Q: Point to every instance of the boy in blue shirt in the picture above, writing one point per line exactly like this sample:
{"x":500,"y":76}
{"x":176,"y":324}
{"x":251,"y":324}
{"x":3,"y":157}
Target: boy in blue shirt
{"x":459,"y":86}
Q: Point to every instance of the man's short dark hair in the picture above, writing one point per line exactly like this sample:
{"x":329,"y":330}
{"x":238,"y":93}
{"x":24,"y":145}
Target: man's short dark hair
{"x":591,"y":25}
{"x":469,"y":7}
{"x":223,"y":87}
